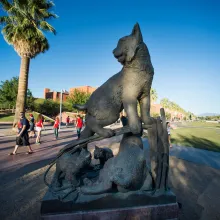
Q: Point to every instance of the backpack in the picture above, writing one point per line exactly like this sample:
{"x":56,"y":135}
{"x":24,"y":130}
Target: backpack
{"x":28,"y":125}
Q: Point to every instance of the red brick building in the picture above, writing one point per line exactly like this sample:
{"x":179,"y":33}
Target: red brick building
{"x":87,"y":89}
{"x":155,"y":108}
{"x":49,"y":94}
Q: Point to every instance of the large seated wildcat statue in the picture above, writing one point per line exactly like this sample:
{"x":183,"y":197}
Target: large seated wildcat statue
{"x":122,"y":90}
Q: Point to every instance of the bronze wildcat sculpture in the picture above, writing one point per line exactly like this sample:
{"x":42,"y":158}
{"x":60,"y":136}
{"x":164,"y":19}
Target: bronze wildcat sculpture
{"x":127,"y":170}
{"x":69,"y":165}
{"x":126,"y":180}
{"x":123,"y":90}
{"x":103,"y":154}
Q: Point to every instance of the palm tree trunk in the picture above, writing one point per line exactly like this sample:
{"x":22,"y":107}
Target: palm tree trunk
{"x":22,"y":88}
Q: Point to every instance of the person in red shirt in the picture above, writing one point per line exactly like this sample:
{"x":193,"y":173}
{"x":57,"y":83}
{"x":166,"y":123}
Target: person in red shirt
{"x":79,"y":125}
{"x":67,"y":121}
{"x":39,"y":125}
{"x":56,"y":126}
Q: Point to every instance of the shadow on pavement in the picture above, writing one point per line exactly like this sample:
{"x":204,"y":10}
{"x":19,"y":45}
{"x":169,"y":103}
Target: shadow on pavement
{"x":7,"y":141}
{"x":190,"y":183}
{"x":196,"y":142}
{"x":7,"y":176}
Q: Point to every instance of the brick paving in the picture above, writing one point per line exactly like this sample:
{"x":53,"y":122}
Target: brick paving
{"x":22,"y":188}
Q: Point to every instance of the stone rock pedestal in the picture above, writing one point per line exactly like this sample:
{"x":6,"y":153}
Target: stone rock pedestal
{"x":153,"y":212}
{"x":119,"y":206}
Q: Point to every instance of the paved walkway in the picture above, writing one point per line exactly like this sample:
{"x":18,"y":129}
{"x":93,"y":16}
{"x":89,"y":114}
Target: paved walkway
{"x":195,"y":155}
{"x":195,"y":185}
{"x":49,"y":148}
{"x":12,"y":167}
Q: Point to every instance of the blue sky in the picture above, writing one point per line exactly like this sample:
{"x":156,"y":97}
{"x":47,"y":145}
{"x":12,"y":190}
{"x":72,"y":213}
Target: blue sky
{"x":183,"y":38}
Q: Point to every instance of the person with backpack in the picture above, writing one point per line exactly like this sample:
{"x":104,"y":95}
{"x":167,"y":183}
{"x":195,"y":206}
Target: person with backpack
{"x":22,"y":137}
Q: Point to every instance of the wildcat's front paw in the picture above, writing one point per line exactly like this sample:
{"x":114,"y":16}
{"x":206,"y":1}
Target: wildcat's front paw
{"x":135,"y":127}
{"x":107,"y":133}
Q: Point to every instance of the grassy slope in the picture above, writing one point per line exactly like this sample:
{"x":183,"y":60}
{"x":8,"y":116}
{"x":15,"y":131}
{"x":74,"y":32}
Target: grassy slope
{"x":10,"y":117}
{"x":203,"y":138}
{"x":6,"y":118}
{"x":201,"y":124}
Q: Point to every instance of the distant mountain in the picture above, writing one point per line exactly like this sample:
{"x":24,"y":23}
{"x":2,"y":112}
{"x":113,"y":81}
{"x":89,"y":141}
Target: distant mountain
{"x":208,"y":114}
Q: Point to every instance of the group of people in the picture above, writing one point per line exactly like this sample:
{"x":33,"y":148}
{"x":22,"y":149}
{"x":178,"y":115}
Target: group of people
{"x":79,"y":125}
{"x":37,"y":125}
{"x":26,"y":128}
{"x":25,"y":125}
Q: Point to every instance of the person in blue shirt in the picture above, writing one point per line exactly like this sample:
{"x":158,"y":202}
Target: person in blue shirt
{"x":22,"y":136}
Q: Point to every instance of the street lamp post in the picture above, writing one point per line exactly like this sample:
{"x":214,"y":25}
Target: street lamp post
{"x":61,"y":99}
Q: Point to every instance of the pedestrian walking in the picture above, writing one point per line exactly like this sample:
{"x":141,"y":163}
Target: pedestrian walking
{"x":31,"y":121}
{"x":123,"y":119}
{"x":56,"y":127}
{"x":39,"y":125}
{"x":169,"y":133}
{"x":22,"y":136}
{"x":79,"y":125}
{"x":67,"y":120}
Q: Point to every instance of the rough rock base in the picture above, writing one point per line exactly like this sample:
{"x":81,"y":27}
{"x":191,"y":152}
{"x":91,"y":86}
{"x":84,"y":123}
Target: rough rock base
{"x":153,"y":212}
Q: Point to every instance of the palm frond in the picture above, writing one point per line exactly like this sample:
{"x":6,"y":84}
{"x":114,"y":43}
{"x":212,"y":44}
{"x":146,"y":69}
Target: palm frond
{"x":47,"y":27}
{"x":5,"y":5}
{"x":23,"y":27}
{"x":5,"y":20}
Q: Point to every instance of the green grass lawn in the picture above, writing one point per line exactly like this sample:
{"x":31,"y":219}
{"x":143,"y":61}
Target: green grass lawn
{"x":10,"y":117}
{"x":201,"y":124}
{"x":208,"y":139}
{"x":6,"y":118}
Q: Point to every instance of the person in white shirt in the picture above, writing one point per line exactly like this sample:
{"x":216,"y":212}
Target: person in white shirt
{"x":168,"y":131}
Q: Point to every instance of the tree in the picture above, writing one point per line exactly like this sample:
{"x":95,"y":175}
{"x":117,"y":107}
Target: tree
{"x":47,"y":107}
{"x":78,"y":97}
{"x":9,"y":90}
{"x":153,"y":95}
{"x":23,"y":28}
{"x":165,"y":103}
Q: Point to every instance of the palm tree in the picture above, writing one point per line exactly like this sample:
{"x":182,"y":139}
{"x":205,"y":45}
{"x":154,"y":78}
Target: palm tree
{"x":153,"y":95}
{"x":23,"y":28}
{"x":165,"y":102}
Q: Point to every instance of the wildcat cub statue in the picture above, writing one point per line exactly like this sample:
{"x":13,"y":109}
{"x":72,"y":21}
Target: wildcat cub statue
{"x":123,"y":90}
{"x":103,"y":154}
{"x":127,"y":170}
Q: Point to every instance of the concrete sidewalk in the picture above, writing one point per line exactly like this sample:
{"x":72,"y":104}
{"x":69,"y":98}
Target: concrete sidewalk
{"x":195,"y":155}
{"x":195,"y":183}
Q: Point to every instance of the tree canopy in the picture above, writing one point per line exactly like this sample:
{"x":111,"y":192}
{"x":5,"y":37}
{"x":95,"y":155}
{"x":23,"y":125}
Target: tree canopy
{"x":78,"y":97}
{"x":9,"y":91}
{"x":153,"y":95}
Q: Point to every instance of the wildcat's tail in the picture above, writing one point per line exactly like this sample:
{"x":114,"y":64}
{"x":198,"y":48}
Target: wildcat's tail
{"x":80,"y":107}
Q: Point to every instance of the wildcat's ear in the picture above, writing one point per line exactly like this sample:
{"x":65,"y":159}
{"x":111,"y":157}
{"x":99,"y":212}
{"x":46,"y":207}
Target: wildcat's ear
{"x":136,"y":32}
